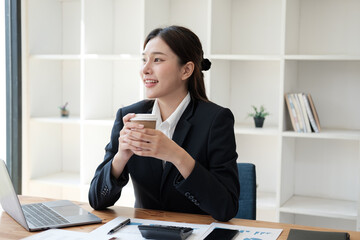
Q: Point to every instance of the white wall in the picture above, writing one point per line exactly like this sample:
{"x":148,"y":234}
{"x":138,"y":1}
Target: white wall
{"x":2,"y":84}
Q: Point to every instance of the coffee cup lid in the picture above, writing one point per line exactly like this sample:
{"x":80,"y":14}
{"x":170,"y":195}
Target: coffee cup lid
{"x":144,"y":117}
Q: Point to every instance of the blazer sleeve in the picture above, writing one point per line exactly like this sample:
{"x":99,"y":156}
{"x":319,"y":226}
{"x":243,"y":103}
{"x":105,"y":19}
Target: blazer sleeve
{"x":105,"y":189}
{"x":215,"y":188}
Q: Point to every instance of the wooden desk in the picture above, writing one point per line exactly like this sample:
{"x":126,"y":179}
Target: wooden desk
{"x":9,"y":229}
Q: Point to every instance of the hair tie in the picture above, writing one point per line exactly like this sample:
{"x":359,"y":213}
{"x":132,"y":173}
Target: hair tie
{"x":205,"y":64}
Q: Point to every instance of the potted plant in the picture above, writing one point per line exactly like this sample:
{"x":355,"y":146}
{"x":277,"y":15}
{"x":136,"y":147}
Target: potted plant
{"x":258,"y":115}
{"x":63,"y":111}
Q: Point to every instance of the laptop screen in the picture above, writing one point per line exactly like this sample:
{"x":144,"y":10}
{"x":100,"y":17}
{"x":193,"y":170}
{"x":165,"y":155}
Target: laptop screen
{"x":8,"y":198}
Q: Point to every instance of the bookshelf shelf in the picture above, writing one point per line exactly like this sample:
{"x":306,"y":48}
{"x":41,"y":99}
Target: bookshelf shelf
{"x":236,"y":57}
{"x":327,"y":134}
{"x":88,"y":54}
{"x":110,"y":57}
{"x":64,"y":185}
{"x":324,"y":57}
{"x":251,"y":130}
{"x":100,"y":122}
{"x":321,"y":207}
{"x":60,"y":179}
{"x":54,"y":57}
{"x":68,"y":120}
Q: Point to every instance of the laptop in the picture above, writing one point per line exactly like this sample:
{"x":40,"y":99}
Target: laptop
{"x":41,"y":216}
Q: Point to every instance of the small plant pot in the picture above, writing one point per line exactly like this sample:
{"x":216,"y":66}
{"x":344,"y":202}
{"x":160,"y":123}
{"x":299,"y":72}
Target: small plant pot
{"x":64,"y":113}
{"x":259,"y":122}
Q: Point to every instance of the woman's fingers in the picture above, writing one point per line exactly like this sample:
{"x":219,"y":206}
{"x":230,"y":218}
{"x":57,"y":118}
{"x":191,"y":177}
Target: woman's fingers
{"x":150,"y":143}
{"x":131,"y":125}
{"x":145,"y":134}
{"x":127,"y":117}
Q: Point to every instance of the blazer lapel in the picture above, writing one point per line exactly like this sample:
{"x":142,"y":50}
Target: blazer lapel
{"x":180,"y":133}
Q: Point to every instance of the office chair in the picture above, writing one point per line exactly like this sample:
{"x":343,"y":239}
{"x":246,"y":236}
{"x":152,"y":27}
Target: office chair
{"x":247,"y":200}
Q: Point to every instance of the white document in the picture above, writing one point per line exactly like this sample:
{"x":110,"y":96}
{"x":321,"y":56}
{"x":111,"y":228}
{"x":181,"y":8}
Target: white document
{"x":248,"y":233}
{"x":132,"y":232}
{"x":59,"y":234}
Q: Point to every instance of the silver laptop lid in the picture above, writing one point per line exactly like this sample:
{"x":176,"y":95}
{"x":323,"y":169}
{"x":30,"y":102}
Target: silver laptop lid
{"x":8,"y":198}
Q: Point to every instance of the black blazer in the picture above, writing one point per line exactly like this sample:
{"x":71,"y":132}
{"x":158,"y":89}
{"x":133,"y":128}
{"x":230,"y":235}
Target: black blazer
{"x":206,"y":132}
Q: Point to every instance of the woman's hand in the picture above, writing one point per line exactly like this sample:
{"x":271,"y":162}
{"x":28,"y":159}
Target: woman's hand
{"x":124,"y":151}
{"x":153,"y":143}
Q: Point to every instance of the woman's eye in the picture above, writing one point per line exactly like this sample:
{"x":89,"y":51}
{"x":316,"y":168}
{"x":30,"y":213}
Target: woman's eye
{"x":157,"y":60}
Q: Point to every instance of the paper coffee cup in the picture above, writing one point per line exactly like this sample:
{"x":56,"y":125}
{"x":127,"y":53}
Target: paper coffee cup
{"x":148,"y":120}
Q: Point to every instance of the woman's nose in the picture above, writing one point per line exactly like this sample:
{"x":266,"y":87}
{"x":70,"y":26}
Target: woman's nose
{"x":146,"y":68}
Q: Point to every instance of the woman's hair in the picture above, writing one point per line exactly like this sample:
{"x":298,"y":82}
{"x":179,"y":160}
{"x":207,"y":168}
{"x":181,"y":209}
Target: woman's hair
{"x":187,"y":46}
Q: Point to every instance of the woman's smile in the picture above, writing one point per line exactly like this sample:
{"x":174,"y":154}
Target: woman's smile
{"x":149,"y":83}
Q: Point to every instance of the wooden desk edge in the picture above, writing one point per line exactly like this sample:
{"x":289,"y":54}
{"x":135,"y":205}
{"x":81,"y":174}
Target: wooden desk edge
{"x":9,"y":229}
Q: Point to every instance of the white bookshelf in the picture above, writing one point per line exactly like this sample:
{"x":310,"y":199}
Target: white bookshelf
{"x":87,"y":53}
{"x":321,"y":207}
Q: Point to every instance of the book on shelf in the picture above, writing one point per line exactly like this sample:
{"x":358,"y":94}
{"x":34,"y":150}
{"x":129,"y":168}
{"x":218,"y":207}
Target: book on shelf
{"x":310,"y":113}
{"x":302,"y":112}
{"x":292,"y":113}
{"x":302,"y":116}
{"x":307,"y":127}
{"x":313,"y":109}
{"x":300,"y":119}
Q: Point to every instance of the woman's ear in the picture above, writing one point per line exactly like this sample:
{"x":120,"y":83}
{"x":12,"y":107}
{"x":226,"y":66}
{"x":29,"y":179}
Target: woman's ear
{"x":187,"y":70}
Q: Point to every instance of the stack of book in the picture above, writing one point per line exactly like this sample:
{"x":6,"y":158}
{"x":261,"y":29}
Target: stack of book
{"x":302,"y":111}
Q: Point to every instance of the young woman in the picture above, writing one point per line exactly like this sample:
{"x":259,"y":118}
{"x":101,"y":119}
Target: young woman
{"x":188,"y":164}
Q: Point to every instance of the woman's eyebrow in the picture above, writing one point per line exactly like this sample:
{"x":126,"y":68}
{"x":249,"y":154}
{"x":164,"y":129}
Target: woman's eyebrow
{"x":155,"y":53}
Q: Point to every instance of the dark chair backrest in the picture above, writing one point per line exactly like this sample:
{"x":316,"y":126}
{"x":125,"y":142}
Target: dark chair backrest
{"x":247,"y":200}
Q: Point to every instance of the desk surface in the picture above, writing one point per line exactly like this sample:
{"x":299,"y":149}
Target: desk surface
{"x":9,"y":229}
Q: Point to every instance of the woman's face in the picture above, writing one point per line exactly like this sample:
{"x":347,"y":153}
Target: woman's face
{"x":161,"y":72}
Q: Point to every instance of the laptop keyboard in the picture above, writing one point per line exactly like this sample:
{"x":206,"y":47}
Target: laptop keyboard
{"x":40,"y":215}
